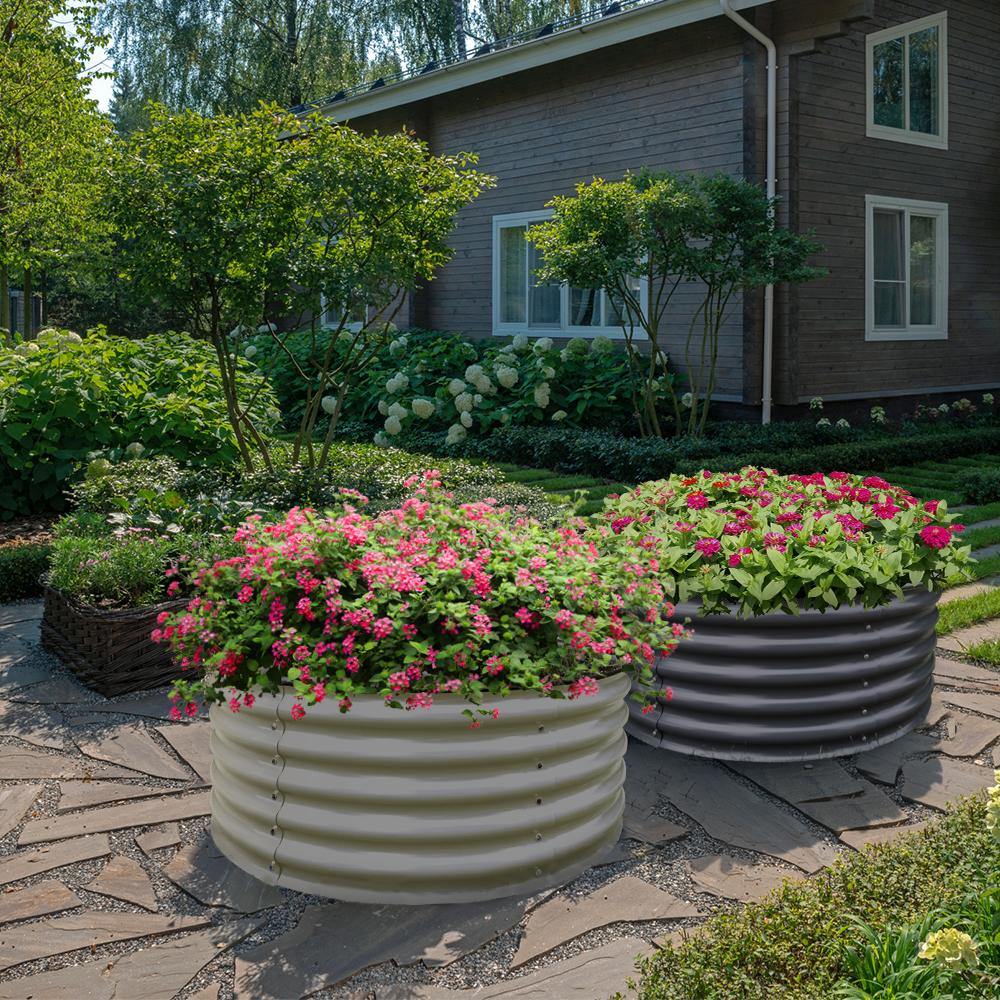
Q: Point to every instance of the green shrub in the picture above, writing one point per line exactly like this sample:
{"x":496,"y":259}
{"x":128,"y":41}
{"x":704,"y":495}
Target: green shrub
{"x":792,"y":945}
{"x":67,"y":398}
{"x":21,"y":570}
{"x":981,"y":486}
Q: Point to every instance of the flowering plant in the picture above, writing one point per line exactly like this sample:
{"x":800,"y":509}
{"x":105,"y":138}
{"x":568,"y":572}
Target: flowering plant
{"x":766,"y":542}
{"x":428,"y":598}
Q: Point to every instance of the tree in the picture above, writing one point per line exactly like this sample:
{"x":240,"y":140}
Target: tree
{"x":232,"y":219}
{"x":671,"y":229}
{"x":52,"y":140}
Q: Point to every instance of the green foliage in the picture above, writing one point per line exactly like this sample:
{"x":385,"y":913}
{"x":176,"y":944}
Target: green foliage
{"x":64,"y":399}
{"x":986,"y":652}
{"x":21,"y":570}
{"x":671,"y":230}
{"x":968,"y":611}
{"x":981,"y":486}
{"x":793,"y":945}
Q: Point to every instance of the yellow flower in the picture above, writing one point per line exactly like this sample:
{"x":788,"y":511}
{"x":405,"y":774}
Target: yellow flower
{"x":951,"y":948}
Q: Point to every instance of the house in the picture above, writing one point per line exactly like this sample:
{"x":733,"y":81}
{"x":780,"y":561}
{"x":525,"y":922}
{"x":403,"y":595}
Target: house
{"x":886,"y":138}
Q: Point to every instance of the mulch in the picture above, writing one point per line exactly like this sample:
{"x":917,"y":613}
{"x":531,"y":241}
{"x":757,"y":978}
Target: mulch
{"x":27,"y":530}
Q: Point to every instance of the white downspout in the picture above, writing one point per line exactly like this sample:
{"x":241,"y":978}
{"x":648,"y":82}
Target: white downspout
{"x":772,"y":170}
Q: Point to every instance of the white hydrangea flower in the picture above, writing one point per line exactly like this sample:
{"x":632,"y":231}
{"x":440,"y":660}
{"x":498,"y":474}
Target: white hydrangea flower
{"x":264,"y":328}
{"x":564,"y":354}
{"x":383,"y":407}
{"x":578,"y":346}
{"x":28,"y":347}
{"x":463,"y":402}
{"x":423,"y":408}
{"x":816,"y":404}
{"x":397,"y":383}
{"x":548,"y":372}
{"x":686,"y":400}
{"x":381,"y":440}
{"x":877,"y":415}
{"x":988,"y":398}
{"x":543,"y":344}
{"x":943,"y":408}
{"x":456,"y":386}
{"x":478,"y":398}
{"x":559,"y":415}
{"x":520,"y":342}
{"x":507,"y":377}
{"x":69,"y":337}
{"x":455,"y":434}
{"x":250,"y":351}
{"x":473,"y":372}
{"x":329,"y":404}
{"x":397,"y":345}
{"x":823,"y":422}
{"x":485,"y":386}
{"x":392,"y":425}
{"x":465,"y":419}
{"x":601,"y":345}
{"x":135,"y":449}
{"x":398,"y":411}
{"x":843,"y":424}
{"x":541,"y":394}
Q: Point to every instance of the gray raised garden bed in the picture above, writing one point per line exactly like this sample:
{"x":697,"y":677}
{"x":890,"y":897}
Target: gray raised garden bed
{"x":783,"y":687}
{"x":382,"y":805}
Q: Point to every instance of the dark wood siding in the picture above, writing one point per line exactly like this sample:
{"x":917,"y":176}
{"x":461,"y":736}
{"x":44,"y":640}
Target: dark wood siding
{"x":836,"y":165}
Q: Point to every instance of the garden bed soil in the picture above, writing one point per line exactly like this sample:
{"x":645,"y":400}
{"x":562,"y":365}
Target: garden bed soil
{"x":109,"y":651}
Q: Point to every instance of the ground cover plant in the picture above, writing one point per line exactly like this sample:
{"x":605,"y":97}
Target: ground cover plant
{"x":758,"y":542}
{"x":67,"y":399}
{"x":22,"y":566}
{"x":968,"y":611}
{"x":794,"y":944}
{"x":427,"y":599}
{"x":982,"y":485}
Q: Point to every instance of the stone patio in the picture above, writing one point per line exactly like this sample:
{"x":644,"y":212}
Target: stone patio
{"x":112,"y":888}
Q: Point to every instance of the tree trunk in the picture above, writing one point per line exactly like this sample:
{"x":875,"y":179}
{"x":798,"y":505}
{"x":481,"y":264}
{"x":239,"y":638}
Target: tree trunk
{"x":458,"y":6}
{"x":292,"y":52}
{"x":27,"y":293}
{"x":43,"y":313}
{"x":4,"y":298}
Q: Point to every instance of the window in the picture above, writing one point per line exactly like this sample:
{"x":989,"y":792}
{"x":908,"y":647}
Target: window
{"x":907,"y":269}
{"x":331,"y":316}
{"x":521,"y":304}
{"x":908,"y":82}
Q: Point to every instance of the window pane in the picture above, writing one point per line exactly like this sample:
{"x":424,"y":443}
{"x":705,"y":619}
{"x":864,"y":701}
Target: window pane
{"x":889,"y":303}
{"x":924,"y":97}
{"x":923,"y":269}
{"x":615,"y":307}
{"x":887,"y":80}
{"x":584,"y":307}
{"x":543,"y":300}
{"x":513,"y":248}
{"x":888,"y":245}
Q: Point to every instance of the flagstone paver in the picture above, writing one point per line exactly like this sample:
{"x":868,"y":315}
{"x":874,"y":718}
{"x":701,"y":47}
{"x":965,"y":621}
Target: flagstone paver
{"x":730,"y":878}
{"x":884,"y":763}
{"x":122,"y":817}
{"x":729,"y":811}
{"x":41,"y":727}
{"x":156,"y":973}
{"x":642,"y":821}
{"x":16,"y":675}
{"x":26,"y":611}
{"x":14,"y":803}
{"x":955,"y":673}
{"x":53,"y":691}
{"x":939,"y":780}
{"x":987,"y":551}
{"x":85,"y":794}
{"x":986,"y":704}
{"x":38,"y":900}
{"x":161,"y":835}
{"x":878,"y":835}
{"x":208,"y":993}
{"x":193,"y":744}
{"x":19,"y":764}
{"x":151,"y":706}
{"x":827,"y":793}
{"x":333,"y":941}
{"x":124,"y":879}
{"x":202,"y":871}
{"x":626,"y":899}
{"x":26,"y":863}
{"x":27,"y":942}
{"x":967,"y":590}
{"x":134,"y":748}
{"x":960,"y":640}
{"x":596,"y":973}
{"x":968,"y":735}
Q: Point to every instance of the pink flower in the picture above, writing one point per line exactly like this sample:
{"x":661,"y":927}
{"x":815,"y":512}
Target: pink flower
{"x":245,"y":595}
{"x":297,"y":711}
{"x":173,"y":588}
{"x":708,"y":547}
{"x":775,"y":540}
{"x":697,"y":501}
{"x":583,"y":687}
{"x":621,"y":523}
{"x":935,"y":536}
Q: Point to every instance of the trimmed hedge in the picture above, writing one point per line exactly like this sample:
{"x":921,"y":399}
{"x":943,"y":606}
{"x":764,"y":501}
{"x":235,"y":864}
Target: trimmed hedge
{"x":792,"y":945}
{"x":788,"y":447}
{"x":21,"y":569}
{"x":981,"y":486}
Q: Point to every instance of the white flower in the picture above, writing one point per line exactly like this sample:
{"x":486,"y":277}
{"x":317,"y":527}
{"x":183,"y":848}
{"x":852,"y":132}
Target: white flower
{"x":520,"y":342}
{"x":28,"y":347}
{"x":943,"y":408}
{"x":541,"y":394}
{"x":478,"y":398}
{"x":465,"y":419}
{"x":250,"y":351}
{"x":504,"y":416}
{"x":843,"y":423}
{"x":877,"y":415}
{"x":397,"y":345}
{"x":423,"y":408}
{"x":543,"y":344}
{"x":484,"y":385}
{"x":264,"y":328}
{"x":559,"y":415}
{"x":463,"y":402}
{"x":456,"y":386}
{"x":383,"y":407}
{"x":577,"y":346}
{"x":686,"y":400}
{"x":329,"y":404}
{"x":507,"y":377}
{"x":381,"y":440}
{"x":474,"y":372}
{"x":392,"y":426}
{"x":822,"y":422}
{"x":988,"y":398}
{"x":816,"y":404}
{"x":548,"y":372}
{"x":601,"y":345}
{"x":397,"y":383}
{"x":135,"y":449}
{"x":398,"y":411}
{"x":455,"y":434}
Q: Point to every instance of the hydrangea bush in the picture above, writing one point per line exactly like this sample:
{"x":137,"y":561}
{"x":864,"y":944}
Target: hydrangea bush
{"x":429,"y":598}
{"x":760,"y":542}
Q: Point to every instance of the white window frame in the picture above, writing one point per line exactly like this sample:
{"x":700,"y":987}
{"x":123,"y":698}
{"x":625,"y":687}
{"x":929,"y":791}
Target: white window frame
{"x":939,"y":210}
{"x":904,"y":134}
{"x":325,"y":325}
{"x":565,"y":328}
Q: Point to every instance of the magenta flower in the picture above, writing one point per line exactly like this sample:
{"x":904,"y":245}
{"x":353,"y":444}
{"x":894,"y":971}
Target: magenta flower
{"x":708,"y":547}
{"x":935,"y":536}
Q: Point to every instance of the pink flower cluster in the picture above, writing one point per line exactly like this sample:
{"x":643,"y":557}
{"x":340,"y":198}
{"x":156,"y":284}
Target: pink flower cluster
{"x":428,"y":600}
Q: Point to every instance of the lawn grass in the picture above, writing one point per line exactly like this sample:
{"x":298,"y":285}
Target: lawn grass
{"x":968,"y":611}
{"x":986,"y":653}
{"x":979,"y":538}
{"x":792,"y":944}
{"x":982,"y":568}
{"x":985,"y":512}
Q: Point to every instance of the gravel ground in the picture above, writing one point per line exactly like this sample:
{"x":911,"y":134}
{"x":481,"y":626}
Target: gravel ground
{"x":662,"y":866}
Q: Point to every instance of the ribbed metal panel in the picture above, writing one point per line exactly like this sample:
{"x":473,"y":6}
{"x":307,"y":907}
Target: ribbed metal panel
{"x":783,"y":687}
{"x":380,"y":805}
